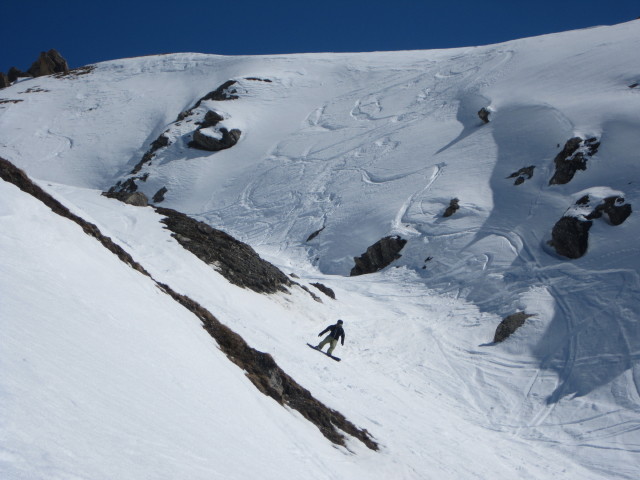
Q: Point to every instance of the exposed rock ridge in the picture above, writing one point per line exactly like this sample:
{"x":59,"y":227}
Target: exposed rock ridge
{"x":260,"y":367}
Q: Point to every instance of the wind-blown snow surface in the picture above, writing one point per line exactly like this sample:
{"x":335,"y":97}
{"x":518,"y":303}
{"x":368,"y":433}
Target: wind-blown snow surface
{"x":104,"y":377}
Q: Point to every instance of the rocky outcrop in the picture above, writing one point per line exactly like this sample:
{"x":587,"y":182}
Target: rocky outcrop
{"x":452,"y":208}
{"x":203,"y":139}
{"x":521,"y":174}
{"x":236,"y":261}
{"x":378,"y":256}
{"x":259,"y":367}
{"x":572,"y":158}
{"x":326,"y":290}
{"x":49,"y":63}
{"x":509,"y":325}
{"x":14,"y":74}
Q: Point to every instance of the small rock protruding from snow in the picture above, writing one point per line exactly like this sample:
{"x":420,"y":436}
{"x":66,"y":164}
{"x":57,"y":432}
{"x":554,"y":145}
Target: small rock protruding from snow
{"x":484,"y":113}
{"x":137,"y":199}
{"x":521,"y":174}
{"x":159,"y":195}
{"x":453,"y":207}
{"x":572,"y":158}
{"x":509,"y":325}
{"x":378,"y":256}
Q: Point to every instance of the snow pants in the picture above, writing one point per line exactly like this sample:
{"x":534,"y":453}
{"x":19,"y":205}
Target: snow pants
{"x":328,"y":339}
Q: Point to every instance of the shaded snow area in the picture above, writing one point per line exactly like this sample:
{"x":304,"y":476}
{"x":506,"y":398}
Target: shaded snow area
{"x":103,"y":375}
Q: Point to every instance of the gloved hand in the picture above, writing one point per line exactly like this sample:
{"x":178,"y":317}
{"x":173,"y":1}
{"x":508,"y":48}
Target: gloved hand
{"x":319,"y":334}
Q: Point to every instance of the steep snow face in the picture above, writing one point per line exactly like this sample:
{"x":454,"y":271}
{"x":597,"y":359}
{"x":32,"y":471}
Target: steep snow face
{"x":361,"y":146}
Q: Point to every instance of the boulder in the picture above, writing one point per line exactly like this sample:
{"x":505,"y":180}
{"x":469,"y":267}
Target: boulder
{"x":211,"y":119}
{"x":572,"y":158}
{"x":159,"y":195}
{"x":203,"y":141}
{"x":509,"y":325}
{"x":570,"y":237}
{"x":137,"y":199}
{"x":49,"y":63}
{"x":378,"y":256}
{"x":484,"y":115}
{"x":452,"y":208}
{"x":614,"y":207}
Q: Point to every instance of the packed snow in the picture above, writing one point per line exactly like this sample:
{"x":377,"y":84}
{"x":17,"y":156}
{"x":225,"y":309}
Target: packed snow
{"x":104,"y":376}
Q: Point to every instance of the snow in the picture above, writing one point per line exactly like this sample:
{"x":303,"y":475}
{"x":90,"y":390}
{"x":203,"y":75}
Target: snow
{"x":104,"y":376}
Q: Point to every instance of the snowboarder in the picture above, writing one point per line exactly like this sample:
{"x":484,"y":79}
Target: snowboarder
{"x":336,"y":332}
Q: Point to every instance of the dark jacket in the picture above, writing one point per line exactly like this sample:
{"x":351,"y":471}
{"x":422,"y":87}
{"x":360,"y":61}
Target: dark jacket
{"x":336,"y":332}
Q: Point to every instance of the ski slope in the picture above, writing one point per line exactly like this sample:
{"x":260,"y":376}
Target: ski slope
{"x":361,"y":146}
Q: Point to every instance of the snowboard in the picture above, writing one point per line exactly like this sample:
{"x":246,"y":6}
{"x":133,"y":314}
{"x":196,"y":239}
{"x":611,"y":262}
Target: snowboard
{"x":330,"y":356}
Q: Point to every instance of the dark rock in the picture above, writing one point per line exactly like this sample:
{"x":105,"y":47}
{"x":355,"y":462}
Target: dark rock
{"x":205,"y":142}
{"x":570,"y":237}
{"x":15,"y":74}
{"x":615,"y":207}
{"x":509,"y":325}
{"x":314,"y":234}
{"x":634,"y":85}
{"x":324,"y":289}
{"x":4,"y":80}
{"x":236,"y":261}
{"x":128,"y":186}
{"x":211,"y":119}
{"x":137,"y":199}
{"x":452,"y":208}
{"x":223,"y":92}
{"x":572,"y":158}
{"x":484,"y":115}
{"x":521,"y":174}
{"x":159,"y":195}
{"x":378,"y":256}
{"x":256,"y":79}
{"x":49,"y":63}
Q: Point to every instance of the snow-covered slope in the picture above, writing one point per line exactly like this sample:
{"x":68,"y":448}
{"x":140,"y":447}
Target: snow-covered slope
{"x":361,"y":146}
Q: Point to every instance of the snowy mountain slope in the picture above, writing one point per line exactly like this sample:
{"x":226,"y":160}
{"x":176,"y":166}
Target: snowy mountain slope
{"x":368,"y":145}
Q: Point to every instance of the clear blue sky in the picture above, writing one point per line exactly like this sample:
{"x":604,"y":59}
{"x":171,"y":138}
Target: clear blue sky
{"x":88,"y":31}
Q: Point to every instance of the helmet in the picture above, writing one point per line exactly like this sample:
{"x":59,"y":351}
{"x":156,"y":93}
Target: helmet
{"x":340,"y":321}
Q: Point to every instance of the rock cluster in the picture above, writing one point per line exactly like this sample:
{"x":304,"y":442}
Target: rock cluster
{"x":570,"y":234}
{"x":48,"y":63}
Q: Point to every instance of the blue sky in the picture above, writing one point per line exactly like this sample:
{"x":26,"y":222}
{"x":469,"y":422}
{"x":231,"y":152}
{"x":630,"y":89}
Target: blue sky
{"x":88,"y":31}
